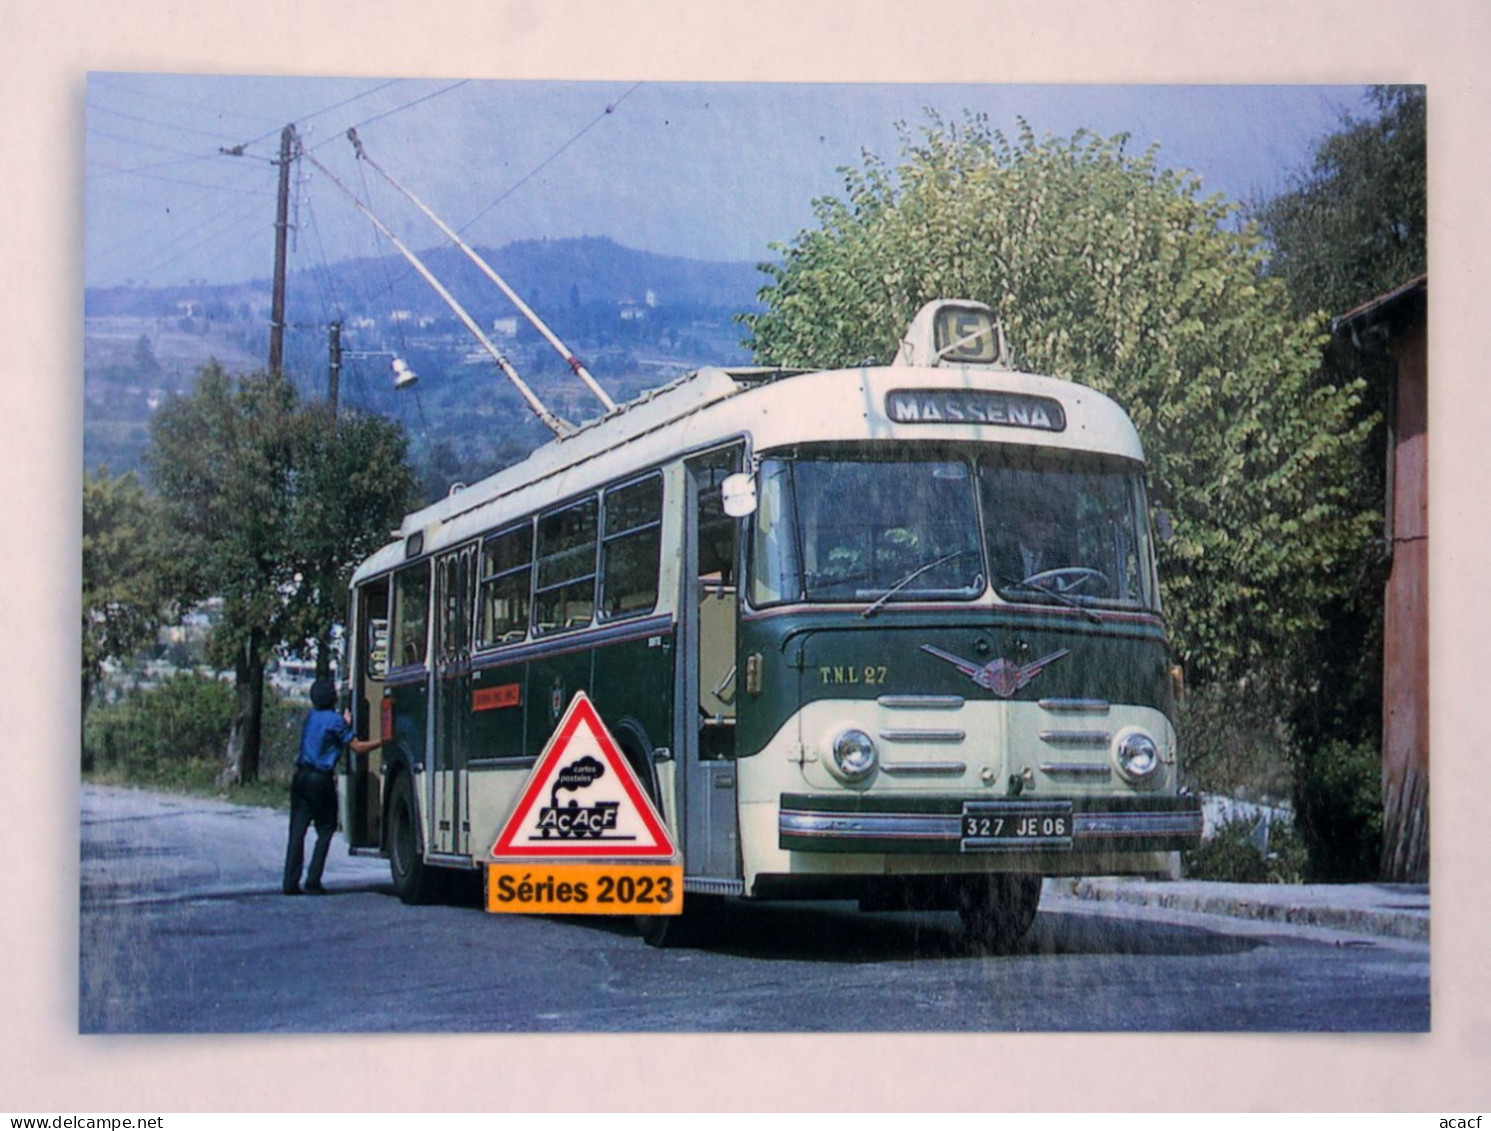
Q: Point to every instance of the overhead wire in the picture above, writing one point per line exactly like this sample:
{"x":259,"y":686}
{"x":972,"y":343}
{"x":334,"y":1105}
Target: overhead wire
{"x":165,"y":230}
{"x":546,"y":162}
{"x":107,"y":169}
{"x":324,"y":110}
{"x":397,"y":110}
{"x":94,"y":108}
{"x":610,"y":108}
{"x":193,"y":155}
{"x":179,"y":249}
{"x":108,"y":82}
{"x":246,"y":211}
{"x":185,"y":157}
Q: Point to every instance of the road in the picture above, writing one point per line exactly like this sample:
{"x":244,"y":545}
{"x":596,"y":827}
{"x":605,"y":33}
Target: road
{"x":183,"y":929}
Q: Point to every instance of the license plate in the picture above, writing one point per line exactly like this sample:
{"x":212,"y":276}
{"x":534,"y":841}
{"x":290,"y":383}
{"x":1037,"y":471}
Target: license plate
{"x":993,"y":825}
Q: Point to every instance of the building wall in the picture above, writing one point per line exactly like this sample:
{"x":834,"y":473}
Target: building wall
{"x":1405,"y":752}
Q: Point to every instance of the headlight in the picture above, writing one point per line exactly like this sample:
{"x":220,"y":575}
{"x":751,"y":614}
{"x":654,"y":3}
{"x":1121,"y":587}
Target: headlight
{"x":1138,"y":757}
{"x":854,"y":755}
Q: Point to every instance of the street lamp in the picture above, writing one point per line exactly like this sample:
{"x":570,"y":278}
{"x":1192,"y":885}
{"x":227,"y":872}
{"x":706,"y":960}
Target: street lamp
{"x":403,"y":375}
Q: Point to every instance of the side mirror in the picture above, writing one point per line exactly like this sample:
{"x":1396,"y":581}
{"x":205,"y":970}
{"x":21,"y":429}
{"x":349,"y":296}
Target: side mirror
{"x":738,"y":493}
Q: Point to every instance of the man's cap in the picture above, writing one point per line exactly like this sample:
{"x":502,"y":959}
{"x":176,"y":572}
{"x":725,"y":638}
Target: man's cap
{"x":323,"y":694}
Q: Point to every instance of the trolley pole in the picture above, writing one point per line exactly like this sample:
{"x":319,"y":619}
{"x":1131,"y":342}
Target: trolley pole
{"x":281,"y":230}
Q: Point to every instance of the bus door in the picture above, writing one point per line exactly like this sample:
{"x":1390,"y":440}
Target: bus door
{"x":708,"y":612}
{"x":362,"y":796}
{"x":450,"y":809}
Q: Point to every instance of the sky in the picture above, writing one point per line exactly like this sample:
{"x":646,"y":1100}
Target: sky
{"x":699,"y":170}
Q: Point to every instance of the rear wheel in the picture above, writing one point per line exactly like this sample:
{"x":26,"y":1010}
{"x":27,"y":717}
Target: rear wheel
{"x":691,"y":928}
{"x":411,"y":878}
{"x":655,"y":930}
{"x":999,"y":910}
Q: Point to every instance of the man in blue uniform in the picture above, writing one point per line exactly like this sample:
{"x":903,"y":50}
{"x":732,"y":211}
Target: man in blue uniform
{"x":313,"y":792}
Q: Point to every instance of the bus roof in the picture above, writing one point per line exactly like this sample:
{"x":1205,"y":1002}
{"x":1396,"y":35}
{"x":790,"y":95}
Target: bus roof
{"x":777,"y":409}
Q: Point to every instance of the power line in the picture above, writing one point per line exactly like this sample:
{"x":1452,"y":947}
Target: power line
{"x":609,"y":109}
{"x":94,"y":108}
{"x":542,"y":165}
{"x":196,"y":156}
{"x":171,"y":220}
{"x":407,"y":105}
{"x":349,"y":101}
{"x":109,"y":170}
{"x":108,"y":84}
{"x":323,"y":110}
{"x":239,"y":220}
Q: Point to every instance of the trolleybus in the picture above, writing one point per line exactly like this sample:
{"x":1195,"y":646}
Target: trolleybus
{"x":889,"y":633}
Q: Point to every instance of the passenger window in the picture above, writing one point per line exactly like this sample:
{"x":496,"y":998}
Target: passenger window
{"x":564,"y":588}
{"x":411,"y":615}
{"x":631,"y":545}
{"x":506,"y":575}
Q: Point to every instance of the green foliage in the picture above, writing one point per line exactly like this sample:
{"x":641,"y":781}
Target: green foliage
{"x":172,"y":735}
{"x":1338,"y":798}
{"x":273,"y":503}
{"x":1232,"y":855}
{"x":353,"y":484}
{"x":123,"y":602}
{"x":1111,"y":271}
{"x":1356,"y":224}
{"x":1235,"y":743}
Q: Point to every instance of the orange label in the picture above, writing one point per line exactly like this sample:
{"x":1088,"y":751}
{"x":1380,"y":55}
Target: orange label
{"x":585,"y":889}
{"x":491,"y":698}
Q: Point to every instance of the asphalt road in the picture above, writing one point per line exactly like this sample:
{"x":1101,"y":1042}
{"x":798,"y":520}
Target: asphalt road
{"x":183,"y":929}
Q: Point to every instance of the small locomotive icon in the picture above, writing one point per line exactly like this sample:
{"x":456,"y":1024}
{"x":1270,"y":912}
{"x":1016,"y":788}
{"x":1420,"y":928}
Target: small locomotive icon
{"x":575,"y":820}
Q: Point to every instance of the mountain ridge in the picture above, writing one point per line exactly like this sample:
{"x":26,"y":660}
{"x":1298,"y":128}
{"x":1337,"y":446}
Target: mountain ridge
{"x":543,"y":271}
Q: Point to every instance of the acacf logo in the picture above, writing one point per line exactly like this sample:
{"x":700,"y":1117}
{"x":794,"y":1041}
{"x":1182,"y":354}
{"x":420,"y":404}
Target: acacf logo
{"x":577,"y":819}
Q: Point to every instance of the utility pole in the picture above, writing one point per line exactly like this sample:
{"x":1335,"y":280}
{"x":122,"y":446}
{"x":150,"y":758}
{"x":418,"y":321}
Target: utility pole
{"x":334,"y":375}
{"x":281,"y":232}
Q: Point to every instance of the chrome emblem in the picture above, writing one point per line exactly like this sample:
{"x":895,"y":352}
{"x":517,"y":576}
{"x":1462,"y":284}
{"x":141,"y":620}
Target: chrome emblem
{"x":1001,"y":677}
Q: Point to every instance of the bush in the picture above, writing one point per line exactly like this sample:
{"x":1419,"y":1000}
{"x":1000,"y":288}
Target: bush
{"x":173,"y":735}
{"x":1233,"y":742}
{"x":1338,"y":800}
{"x":184,"y":718}
{"x":1230,"y":856}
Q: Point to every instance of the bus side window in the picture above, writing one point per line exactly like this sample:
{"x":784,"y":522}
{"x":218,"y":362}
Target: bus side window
{"x":411,"y":614}
{"x":631,"y":546}
{"x":564,"y":588}
{"x":506,"y":573}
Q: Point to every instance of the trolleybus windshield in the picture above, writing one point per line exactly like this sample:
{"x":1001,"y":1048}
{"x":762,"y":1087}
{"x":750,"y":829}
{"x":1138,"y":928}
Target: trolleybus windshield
{"x":852,"y":528}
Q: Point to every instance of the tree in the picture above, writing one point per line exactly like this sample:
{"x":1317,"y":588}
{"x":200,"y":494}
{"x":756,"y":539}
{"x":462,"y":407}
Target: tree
{"x":123,"y":601}
{"x":272,"y":502}
{"x":1355,"y":225}
{"x":1112,"y":271}
{"x":357,"y":483}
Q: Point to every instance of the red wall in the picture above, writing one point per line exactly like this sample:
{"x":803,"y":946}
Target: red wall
{"x":1405,"y":738}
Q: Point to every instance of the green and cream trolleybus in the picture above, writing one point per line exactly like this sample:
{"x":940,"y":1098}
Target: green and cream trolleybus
{"x":888,"y":633}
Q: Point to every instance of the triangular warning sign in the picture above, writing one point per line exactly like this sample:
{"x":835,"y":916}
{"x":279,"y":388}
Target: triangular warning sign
{"x":583,"y":799}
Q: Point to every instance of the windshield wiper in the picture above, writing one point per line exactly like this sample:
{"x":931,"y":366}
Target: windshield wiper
{"x":1059,"y":598}
{"x":912,"y":576}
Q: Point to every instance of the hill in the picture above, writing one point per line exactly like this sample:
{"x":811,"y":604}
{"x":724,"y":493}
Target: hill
{"x":636,"y":318}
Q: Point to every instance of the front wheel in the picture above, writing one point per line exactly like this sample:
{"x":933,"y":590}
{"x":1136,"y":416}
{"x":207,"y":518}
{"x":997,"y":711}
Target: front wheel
{"x":411,"y":878}
{"x":999,"y":910}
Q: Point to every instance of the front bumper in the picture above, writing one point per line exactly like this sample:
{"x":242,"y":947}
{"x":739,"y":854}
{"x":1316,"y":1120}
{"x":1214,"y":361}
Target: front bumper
{"x":919,"y":823}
